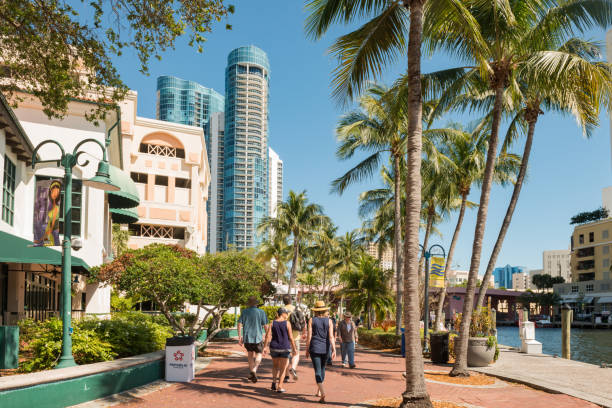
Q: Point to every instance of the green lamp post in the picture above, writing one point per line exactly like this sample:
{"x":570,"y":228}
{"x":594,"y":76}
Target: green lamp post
{"x":101,"y":181}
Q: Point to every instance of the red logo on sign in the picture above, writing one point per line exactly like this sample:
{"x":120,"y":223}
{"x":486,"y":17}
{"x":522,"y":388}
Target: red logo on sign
{"x":178,"y":356}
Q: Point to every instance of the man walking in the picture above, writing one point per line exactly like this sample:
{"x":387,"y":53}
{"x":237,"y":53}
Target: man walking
{"x":252,"y":323}
{"x":347,"y":332}
{"x":298,"y":327}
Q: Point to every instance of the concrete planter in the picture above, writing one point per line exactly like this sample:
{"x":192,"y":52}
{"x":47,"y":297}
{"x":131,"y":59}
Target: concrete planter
{"x":479,"y":354}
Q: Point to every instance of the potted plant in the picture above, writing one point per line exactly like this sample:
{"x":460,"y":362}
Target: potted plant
{"x":482,"y":344}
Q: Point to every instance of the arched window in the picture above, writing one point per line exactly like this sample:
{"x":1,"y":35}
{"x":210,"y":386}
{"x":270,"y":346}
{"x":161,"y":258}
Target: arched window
{"x":162,"y":144}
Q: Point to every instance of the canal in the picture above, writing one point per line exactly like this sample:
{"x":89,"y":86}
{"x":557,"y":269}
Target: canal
{"x":588,"y":345}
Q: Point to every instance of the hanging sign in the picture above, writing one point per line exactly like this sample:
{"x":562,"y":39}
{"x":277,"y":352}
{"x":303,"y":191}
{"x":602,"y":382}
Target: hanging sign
{"x":436,"y":272}
{"x":47,"y":213}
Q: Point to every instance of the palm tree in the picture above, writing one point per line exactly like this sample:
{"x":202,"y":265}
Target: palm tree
{"x":323,"y":249}
{"x":366,"y":288}
{"x":276,"y":252}
{"x":298,"y":219}
{"x":362,"y":54}
{"x":585,"y":87}
{"x":515,"y":34}
{"x":349,"y":252}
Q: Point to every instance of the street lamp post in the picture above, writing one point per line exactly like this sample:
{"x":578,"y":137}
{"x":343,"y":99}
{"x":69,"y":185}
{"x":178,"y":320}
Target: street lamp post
{"x":427,"y":254}
{"x":100,"y":181}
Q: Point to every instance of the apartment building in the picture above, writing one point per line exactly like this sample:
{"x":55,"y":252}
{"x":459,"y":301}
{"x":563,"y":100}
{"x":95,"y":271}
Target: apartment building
{"x":590,"y":255}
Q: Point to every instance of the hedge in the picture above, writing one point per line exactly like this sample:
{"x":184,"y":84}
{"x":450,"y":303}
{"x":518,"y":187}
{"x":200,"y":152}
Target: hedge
{"x":379,"y":340}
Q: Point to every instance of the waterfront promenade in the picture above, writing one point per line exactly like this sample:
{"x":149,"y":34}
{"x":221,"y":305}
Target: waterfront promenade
{"x":223,"y":384}
{"x":586,"y":381}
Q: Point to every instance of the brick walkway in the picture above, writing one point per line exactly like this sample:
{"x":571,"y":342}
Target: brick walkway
{"x":223,"y":384}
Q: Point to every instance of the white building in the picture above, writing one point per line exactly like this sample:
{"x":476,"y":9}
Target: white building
{"x":30,"y":276}
{"x":275,"y":182}
{"x":520,"y":281}
{"x":169,"y":164}
{"x":215,"y":131}
{"x":557,"y":263}
{"x":456,"y":277}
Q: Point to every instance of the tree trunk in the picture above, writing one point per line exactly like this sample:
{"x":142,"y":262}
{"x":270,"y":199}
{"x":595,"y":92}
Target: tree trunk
{"x":415,"y":395}
{"x":510,"y":211}
{"x":397,"y":240}
{"x":449,"y":260}
{"x":296,"y":252}
{"x":461,"y":343}
{"x":369,"y":311}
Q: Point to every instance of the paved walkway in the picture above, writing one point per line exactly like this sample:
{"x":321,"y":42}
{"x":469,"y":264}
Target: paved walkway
{"x":223,"y":384}
{"x":585,"y":381}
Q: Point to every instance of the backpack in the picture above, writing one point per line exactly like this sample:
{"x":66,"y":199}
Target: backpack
{"x":296,"y":318}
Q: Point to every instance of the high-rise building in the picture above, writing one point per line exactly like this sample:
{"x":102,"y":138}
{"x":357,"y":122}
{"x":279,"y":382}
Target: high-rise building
{"x":215,"y":145}
{"x":275,"y":191}
{"x":386,"y":257}
{"x":186,"y":102}
{"x":245,"y":176}
{"x":520,"y":281}
{"x":189,"y":103}
{"x":609,"y":52}
{"x":503,"y":275}
{"x":557,"y":263}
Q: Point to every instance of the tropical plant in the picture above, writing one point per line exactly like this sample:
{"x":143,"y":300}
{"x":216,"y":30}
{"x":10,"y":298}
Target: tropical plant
{"x":512,"y":37}
{"x":324,"y":251}
{"x":275,"y":252}
{"x":119,"y":240}
{"x":366,"y":288}
{"x":298,"y":219}
{"x":590,"y":216}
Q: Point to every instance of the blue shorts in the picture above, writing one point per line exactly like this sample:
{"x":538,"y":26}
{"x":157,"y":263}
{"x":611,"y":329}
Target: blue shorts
{"x":280,"y":354}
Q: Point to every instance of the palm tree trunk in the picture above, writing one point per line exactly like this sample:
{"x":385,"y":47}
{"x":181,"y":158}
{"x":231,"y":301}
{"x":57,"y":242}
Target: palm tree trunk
{"x":296,"y":253}
{"x":461,"y":344}
{"x":449,"y":260}
{"x":532,"y":119}
{"x":415,"y":395}
{"x":397,"y":239}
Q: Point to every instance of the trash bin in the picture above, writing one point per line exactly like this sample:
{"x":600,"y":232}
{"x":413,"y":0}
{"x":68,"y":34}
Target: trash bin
{"x":9,"y":347}
{"x":438,"y":343}
{"x":403,"y":343}
{"x":180,"y":359}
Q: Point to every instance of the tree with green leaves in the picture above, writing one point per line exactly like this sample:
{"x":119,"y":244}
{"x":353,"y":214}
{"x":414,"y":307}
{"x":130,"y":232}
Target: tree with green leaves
{"x":366,"y":288}
{"x":172,"y":276}
{"x":510,"y":37}
{"x":323,"y":251}
{"x":299,"y":220}
{"x":275,"y":251}
{"x":58,"y":52}
{"x":119,"y":240}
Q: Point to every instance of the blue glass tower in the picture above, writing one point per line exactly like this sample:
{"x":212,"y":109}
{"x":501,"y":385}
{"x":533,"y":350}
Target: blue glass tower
{"x":247,"y":78}
{"x":503,"y":275}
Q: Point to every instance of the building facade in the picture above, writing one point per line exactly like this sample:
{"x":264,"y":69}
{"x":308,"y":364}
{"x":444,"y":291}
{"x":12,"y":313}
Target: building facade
{"x":609,"y":54}
{"x":503,"y":275}
{"x":456,"y":277}
{"x":245,"y":175}
{"x":557,"y":263}
{"x":215,"y":146}
{"x":386,"y":257}
{"x":590,"y":254}
{"x":275,"y":182}
{"x":520,"y":281}
{"x":169,"y":164}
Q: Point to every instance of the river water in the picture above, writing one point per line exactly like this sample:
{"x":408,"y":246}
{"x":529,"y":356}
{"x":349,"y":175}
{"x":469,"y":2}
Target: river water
{"x":587,"y":345}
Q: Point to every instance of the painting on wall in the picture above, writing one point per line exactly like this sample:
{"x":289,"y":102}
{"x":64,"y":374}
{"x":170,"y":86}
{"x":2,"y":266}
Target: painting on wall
{"x":47,"y":212}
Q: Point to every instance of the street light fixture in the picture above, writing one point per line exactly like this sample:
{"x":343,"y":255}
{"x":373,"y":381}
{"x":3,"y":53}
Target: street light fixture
{"x":100,"y":181}
{"x":427,"y":254}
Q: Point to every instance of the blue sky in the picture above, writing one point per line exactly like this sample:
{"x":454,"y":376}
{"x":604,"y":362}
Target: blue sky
{"x":566,"y":174}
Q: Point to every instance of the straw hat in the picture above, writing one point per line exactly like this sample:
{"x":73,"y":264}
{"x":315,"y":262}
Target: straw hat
{"x":319,"y":306}
{"x":347,"y":314}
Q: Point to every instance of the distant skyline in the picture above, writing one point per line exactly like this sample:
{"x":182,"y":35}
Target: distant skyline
{"x":566,"y":171}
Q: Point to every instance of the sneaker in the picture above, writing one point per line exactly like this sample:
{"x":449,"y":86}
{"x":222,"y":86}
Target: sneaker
{"x":286,"y":378}
{"x":343,"y":365}
{"x":352,"y":366}
{"x":273,"y":387}
{"x":293,"y":373}
{"x":281,"y":390}
{"x":253,"y":377}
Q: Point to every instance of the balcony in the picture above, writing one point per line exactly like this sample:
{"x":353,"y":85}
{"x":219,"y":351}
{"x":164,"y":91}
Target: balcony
{"x":586,"y":265}
{"x":584,"y":252}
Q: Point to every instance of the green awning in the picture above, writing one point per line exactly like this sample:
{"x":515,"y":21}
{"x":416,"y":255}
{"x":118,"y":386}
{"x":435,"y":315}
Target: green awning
{"x":123,"y":216}
{"x":18,"y":250}
{"x":127,"y":195}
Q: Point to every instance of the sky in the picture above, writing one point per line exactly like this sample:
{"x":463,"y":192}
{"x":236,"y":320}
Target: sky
{"x":565,"y":176}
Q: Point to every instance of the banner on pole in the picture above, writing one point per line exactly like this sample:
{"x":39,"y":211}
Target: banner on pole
{"x":47,"y":212}
{"x":436,"y":272}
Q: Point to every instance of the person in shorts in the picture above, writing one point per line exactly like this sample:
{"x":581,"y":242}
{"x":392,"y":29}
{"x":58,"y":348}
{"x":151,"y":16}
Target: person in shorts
{"x":280,"y":340}
{"x":298,"y":327}
{"x":252,"y":323}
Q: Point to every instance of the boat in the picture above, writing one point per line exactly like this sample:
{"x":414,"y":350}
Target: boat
{"x":543,"y":324}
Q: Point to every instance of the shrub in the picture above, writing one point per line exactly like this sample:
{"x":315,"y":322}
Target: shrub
{"x":377,"y":339}
{"x":481,"y":324}
{"x":270,"y":311}
{"x":227,"y":321}
{"x":451,"y":345}
{"x":44,"y":340}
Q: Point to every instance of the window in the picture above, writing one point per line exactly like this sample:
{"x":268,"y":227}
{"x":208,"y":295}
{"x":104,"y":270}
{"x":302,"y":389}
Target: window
{"x":606,"y":263}
{"x":604,"y":234}
{"x":161,"y":180}
{"x":160,"y":150}
{"x":589,"y":287}
{"x":575,"y":289}
{"x":139,"y":177}
{"x":182,"y":183}
{"x":581,"y":239}
{"x":77,"y":194}
{"x":605,"y":249}
{"x":8,"y":191}
{"x":591,"y":236}
{"x":156,"y":231}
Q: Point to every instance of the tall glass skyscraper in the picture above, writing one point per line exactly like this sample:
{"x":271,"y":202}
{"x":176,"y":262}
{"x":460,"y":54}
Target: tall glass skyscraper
{"x":245,"y":204}
{"x":189,"y":103}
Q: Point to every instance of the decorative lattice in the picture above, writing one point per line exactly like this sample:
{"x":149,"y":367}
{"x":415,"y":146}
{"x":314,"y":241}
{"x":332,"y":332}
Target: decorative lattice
{"x":156,"y":231}
{"x":161,"y":150}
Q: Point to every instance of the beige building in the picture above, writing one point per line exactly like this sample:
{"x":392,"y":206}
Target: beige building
{"x":590,"y":255}
{"x":169,"y":164}
{"x":520,"y":281}
{"x":456,"y":277}
{"x":387,"y":255}
{"x":557,"y":263}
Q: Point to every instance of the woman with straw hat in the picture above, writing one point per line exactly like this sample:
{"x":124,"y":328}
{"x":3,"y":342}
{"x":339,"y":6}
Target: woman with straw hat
{"x":319,"y":341}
